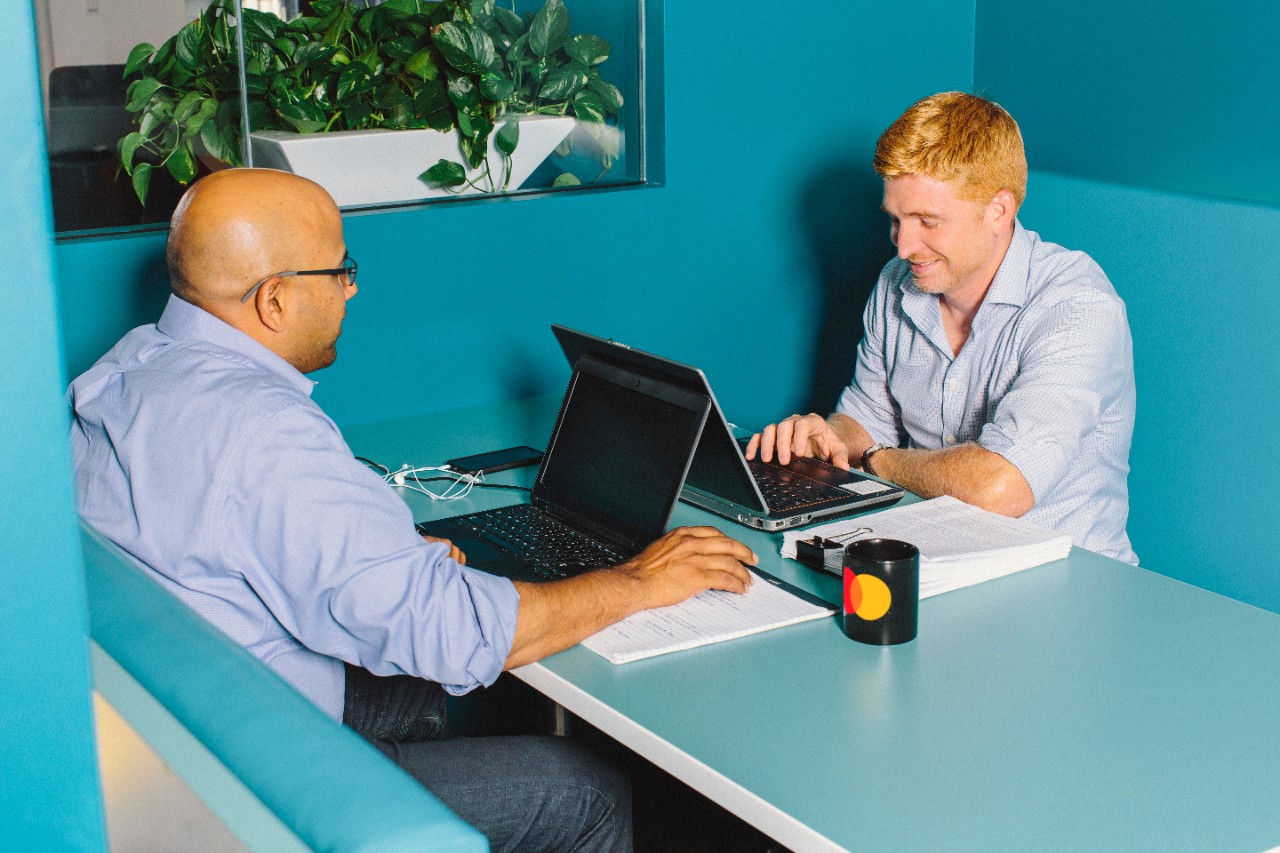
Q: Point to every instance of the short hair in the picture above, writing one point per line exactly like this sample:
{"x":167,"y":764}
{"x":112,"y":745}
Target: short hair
{"x":957,"y":137}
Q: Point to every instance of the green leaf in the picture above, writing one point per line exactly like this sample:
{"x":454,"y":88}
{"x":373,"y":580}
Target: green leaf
{"x":589,"y":50}
{"x":406,"y":7}
{"x":260,"y":26}
{"x":610,"y":96}
{"x":423,"y":64}
{"x":313,"y":52}
{"x":138,"y":58}
{"x":566,"y":179}
{"x":357,"y":115}
{"x":519,"y":48}
{"x":550,"y":28}
{"x":431,"y":98}
{"x":304,"y":118}
{"x":140,"y":93}
{"x":389,"y":96}
{"x":466,"y":47}
{"x":587,"y":106}
{"x":445,"y":173}
{"x":507,"y":137}
{"x":562,"y":84}
{"x":441,"y":120}
{"x":496,"y":86}
{"x":187,"y":47}
{"x":142,"y":181}
{"x":182,"y":164}
{"x":208,"y":107}
{"x":510,"y":21}
{"x":463,"y":93}
{"x":186,"y":106}
{"x":215,"y":143}
{"x":128,"y":146}
{"x":355,"y":78}
{"x":465,"y":127}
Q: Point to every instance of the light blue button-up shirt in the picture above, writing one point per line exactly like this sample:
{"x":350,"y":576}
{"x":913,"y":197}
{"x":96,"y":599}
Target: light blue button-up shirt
{"x":201,"y":454}
{"x":1045,"y":380}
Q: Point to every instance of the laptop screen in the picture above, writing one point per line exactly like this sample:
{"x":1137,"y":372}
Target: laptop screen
{"x":618,"y":456}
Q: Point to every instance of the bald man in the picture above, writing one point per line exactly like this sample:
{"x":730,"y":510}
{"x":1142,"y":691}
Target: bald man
{"x":199,"y":451}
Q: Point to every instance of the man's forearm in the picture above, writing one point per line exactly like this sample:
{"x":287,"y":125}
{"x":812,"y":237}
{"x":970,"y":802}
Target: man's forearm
{"x":555,"y":616}
{"x":967,"y":471}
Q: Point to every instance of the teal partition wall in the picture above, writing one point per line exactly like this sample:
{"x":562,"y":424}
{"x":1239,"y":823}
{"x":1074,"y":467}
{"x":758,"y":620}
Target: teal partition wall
{"x":1175,"y":96}
{"x":1196,"y":274}
{"x":49,"y":797}
{"x":752,"y":260}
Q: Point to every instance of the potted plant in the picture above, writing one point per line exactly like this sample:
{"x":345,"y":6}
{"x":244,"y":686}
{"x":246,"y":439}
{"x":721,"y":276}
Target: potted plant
{"x":467,"y":67}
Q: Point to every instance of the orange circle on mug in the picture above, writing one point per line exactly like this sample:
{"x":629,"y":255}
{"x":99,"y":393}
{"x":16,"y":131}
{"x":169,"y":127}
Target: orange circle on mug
{"x":875,"y":598}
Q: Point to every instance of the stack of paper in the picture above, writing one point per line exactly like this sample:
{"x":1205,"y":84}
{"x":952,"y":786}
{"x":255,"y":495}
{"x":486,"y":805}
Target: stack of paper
{"x":709,"y":617}
{"x":959,"y":544}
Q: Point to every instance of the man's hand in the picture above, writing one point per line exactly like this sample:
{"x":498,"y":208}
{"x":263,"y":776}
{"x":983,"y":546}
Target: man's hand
{"x":687,"y":561}
{"x":800,"y":435}
{"x":454,"y":551}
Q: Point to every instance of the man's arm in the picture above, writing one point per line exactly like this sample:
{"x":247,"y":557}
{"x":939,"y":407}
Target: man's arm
{"x":554,"y":616}
{"x":969,"y":472}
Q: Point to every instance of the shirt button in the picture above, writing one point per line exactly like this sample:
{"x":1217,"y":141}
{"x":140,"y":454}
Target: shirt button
{"x":949,"y":438}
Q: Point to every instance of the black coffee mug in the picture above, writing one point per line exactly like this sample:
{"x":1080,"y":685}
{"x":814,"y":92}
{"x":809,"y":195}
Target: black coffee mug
{"x":881,"y":591}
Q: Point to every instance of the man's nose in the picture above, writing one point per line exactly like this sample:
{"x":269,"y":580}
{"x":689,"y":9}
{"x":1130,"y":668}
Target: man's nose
{"x":907,"y":241}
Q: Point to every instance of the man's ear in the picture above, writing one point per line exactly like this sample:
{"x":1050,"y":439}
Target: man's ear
{"x":1002,"y":209}
{"x":270,"y":303}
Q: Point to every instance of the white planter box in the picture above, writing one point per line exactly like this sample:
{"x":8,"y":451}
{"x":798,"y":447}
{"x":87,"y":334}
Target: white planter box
{"x":380,"y":166}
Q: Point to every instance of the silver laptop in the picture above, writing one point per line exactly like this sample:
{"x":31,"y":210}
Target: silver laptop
{"x":721,"y":479}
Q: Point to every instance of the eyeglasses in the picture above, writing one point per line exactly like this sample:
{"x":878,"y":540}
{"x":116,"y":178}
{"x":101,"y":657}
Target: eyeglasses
{"x":347,"y":271}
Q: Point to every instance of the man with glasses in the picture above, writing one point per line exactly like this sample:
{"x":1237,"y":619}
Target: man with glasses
{"x":199,"y":451}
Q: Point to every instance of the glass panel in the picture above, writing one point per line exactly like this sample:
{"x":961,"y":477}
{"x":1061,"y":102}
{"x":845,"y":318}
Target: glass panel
{"x":386,"y":104}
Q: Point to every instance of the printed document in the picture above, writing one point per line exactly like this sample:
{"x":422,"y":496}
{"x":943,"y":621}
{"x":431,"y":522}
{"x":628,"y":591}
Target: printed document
{"x":959,"y":544}
{"x":709,"y":617}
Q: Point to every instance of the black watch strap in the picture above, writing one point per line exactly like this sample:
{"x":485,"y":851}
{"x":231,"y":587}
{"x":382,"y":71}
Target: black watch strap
{"x":867,"y":454}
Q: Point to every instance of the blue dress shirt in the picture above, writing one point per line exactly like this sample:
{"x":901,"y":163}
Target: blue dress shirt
{"x":201,"y":454}
{"x":1045,"y":380}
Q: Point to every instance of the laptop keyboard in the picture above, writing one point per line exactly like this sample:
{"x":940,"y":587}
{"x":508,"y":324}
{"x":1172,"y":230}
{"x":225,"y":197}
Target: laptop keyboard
{"x":785,"y":490}
{"x":553,"y":549}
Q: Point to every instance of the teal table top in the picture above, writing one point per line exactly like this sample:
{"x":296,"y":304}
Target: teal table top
{"x":1080,"y":705}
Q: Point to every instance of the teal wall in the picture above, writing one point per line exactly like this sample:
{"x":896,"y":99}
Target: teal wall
{"x":49,"y":797}
{"x":1169,"y":95}
{"x":1196,"y":275}
{"x":768,"y":222}
{"x":1156,"y":119}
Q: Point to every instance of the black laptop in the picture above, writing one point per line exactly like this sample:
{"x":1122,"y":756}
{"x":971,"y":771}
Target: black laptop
{"x":608,"y":482}
{"x":721,"y":479}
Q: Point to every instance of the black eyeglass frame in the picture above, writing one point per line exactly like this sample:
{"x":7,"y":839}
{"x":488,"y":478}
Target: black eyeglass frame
{"x":346,"y":270}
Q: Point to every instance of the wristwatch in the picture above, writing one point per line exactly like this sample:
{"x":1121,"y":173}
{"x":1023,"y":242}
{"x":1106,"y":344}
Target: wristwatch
{"x":866,"y":456}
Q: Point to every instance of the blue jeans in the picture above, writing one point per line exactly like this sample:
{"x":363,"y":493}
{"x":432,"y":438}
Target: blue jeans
{"x":526,"y":793}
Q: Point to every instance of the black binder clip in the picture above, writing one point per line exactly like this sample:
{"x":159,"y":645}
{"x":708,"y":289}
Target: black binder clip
{"x":825,"y":555}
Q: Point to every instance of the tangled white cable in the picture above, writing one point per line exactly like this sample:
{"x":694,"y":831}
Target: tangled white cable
{"x":407,"y":477}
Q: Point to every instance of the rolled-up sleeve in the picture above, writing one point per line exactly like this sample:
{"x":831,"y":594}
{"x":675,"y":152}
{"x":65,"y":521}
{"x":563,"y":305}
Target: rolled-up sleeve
{"x":1074,"y":363}
{"x":331,"y":551}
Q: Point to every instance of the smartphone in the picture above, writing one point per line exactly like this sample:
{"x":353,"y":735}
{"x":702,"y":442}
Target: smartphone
{"x":496,"y":460}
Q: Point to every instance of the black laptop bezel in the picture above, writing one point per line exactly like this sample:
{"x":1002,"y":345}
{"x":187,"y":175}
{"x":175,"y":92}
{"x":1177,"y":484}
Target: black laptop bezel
{"x":626,"y":540}
{"x":735,"y":493}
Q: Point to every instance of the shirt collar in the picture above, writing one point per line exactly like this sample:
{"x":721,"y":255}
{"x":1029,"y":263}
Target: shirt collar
{"x":183,"y":321}
{"x":1010,"y":284}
